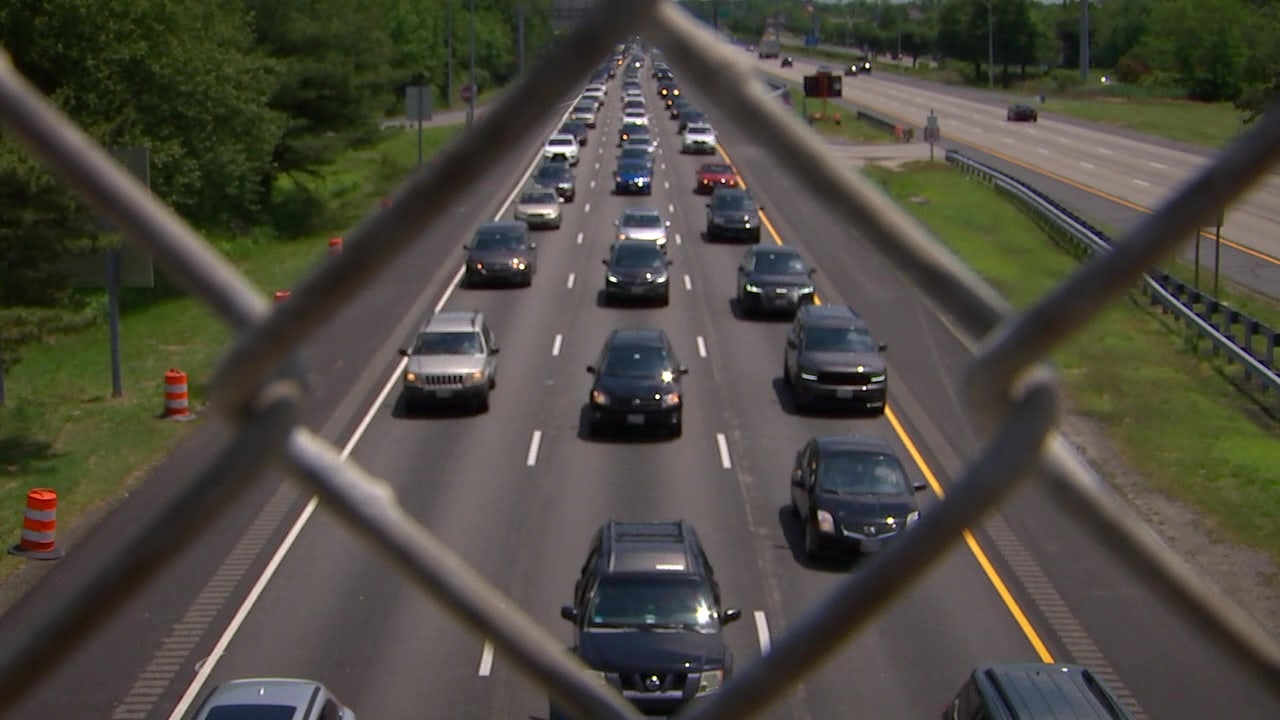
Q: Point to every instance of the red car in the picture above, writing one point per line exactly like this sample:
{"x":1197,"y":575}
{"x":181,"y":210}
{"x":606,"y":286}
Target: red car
{"x":714,"y":175}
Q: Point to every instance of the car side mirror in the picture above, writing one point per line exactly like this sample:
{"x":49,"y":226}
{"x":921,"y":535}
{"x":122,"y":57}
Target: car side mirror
{"x":884,"y":346}
{"x":708,"y":206}
{"x":605,"y":262}
{"x":533,"y":246}
{"x":494,"y":350}
{"x":791,"y":343}
{"x":683,"y":370}
{"x":797,"y":477}
{"x":919,"y":485}
{"x":668,"y":223}
{"x":670,"y":262}
{"x":730,"y":615}
{"x":403,"y":352}
{"x":813,"y":271}
{"x":759,"y":208}
{"x":591,"y":369}
{"x":569,"y":612}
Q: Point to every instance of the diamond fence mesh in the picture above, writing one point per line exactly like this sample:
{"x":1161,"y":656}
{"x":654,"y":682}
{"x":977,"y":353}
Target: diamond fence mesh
{"x":259,"y":387}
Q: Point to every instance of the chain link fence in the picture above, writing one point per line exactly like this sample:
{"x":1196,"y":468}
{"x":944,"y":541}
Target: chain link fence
{"x":259,"y":386}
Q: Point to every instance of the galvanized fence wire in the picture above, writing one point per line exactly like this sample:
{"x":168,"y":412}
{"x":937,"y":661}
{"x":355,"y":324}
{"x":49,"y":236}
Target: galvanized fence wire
{"x":259,"y":386}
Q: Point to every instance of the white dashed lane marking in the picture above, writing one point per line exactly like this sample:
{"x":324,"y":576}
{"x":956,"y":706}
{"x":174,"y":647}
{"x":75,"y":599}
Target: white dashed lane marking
{"x":534,"y":443}
{"x":555,"y":345}
{"x":579,"y":238}
{"x":723,"y":445}
{"x":486,"y":659}
{"x":1160,"y":166}
{"x":678,"y":241}
{"x":688,"y":283}
{"x":569,"y":283}
{"x":586,"y":208}
{"x":762,"y":632}
{"x":671,"y":208}
{"x":702,"y":347}
{"x":1085,"y":164}
{"x":1143,"y":183}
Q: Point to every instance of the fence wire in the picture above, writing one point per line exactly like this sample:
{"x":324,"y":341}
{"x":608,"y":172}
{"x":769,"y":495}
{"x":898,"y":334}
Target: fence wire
{"x":259,"y":387}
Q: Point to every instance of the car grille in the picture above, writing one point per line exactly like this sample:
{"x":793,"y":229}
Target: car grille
{"x":844,"y":378}
{"x":441,"y":380}
{"x":645,"y":403}
{"x":667,"y":682}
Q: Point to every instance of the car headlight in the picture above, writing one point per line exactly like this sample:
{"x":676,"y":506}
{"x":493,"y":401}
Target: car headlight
{"x":599,"y":398}
{"x":670,"y":399}
{"x":610,"y":277}
{"x":878,"y":377}
{"x":808,"y":375}
{"x":826,"y":523}
{"x":475,"y":375}
{"x":753,"y":221}
{"x":913,"y":517}
{"x":478,"y":265}
{"x":518,"y":264}
{"x":617,"y":178}
{"x":710,"y":681}
{"x":411,"y":377}
{"x":805,"y":290}
{"x":661,"y":278}
{"x":752,"y":288}
{"x":622,"y":236}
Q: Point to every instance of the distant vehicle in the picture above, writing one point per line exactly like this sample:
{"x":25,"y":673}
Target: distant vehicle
{"x":637,"y":270}
{"x":1034,"y":691}
{"x":539,"y":207}
{"x":637,"y":384}
{"x":272,"y":698}
{"x":577,"y":129}
{"x":585,"y":111}
{"x":678,"y":106}
{"x":713,"y":175}
{"x":636,"y":154}
{"x":689,"y":117}
{"x":639,"y":223}
{"x":774,"y":279}
{"x":635,"y":116}
{"x":453,"y":358}
{"x":501,"y":253}
{"x":854,"y":497}
{"x":851,"y":69}
{"x":788,"y":62}
{"x":732,"y":214}
{"x":557,"y":175}
{"x":864,"y":64}
{"x":562,"y":145}
{"x":628,"y":129}
{"x":698,"y":138}
{"x":1022,"y":113}
{"x":633,"y":177}
{"x":768,"y":48}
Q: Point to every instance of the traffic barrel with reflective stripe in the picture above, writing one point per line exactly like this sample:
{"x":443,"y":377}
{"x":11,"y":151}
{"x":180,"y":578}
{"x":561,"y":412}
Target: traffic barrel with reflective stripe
{"x":282,"y":295}
{"x":335,"y":246}
{"x":39,"y":522}
{"x":176,"y":401}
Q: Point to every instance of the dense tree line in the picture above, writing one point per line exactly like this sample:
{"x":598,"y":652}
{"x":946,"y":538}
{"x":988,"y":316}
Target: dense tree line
{"x":227,"y":97}
{"x":1209,"y":50}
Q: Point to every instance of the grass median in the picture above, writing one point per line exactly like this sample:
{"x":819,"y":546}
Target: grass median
{"x":1176,"y":418}
{"x":61,"y":429}
{"x":849,"y":127}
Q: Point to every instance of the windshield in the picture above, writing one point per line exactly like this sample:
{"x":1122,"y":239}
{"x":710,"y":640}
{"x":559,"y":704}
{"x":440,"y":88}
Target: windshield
{"x":861,"y":472}
{"x":636,"y":362}
{"x":539,"y":197}
{"x":448,"y":343}
{"x":779,"y":264}
{"x":634,"y":153}
{"x":734,"y":203}
{"x":252,"y":712}
{"x":633,"y":168}
{"x":498,"y":241}
{"x":551,"y":172}
{"x":562,"y":141}
{"x":644,"y":221}
{"x":649,"y":601}
{"x":717,"y":169}
{"x":698,"y":130}
{"x":638,"y":256}
{"x":838,"y":339}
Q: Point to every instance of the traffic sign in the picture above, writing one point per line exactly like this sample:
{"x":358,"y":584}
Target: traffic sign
{"x":467,"y":92}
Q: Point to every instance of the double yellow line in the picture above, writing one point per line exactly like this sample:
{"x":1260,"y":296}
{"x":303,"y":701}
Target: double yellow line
{"x":997,"y":582}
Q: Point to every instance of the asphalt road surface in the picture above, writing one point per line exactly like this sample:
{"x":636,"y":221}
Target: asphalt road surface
{"x":1110,"y":177}
{"x":275,"y":589}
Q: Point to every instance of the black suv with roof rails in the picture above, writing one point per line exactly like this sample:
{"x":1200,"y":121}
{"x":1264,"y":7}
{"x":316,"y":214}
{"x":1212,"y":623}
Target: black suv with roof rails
{"x":831,"y":359}
{"x":1034,"y":691}
{"x":646,"y":614}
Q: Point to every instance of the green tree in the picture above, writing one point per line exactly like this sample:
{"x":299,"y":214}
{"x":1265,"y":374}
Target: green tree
{"x":1204,"y":42}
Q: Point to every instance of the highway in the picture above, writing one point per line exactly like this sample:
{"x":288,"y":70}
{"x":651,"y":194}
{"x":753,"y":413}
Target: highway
{"x":276,"y":589}
{"x":1109,"y":176}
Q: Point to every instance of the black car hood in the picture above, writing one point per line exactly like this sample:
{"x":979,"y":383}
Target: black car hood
{"x":842,"y":361}
{"x":626,"y":387}
{"x":736,"y":216}
{"x":496,"y":257}
{"x":774,"y":280}
{"x":636,"y":274}
{"x":639,"y":651}
{"x":854,"y":511}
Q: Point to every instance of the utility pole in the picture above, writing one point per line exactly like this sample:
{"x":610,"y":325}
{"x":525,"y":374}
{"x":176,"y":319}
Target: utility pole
{"x":448,"y":41}
{"x":991,"y":45}
{"x":471,"y":97}
{"x":1084,"y":40}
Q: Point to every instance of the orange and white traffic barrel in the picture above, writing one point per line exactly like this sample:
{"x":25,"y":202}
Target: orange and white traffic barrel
{"x":282,"y":295}
{"x":335,"y":246}
{"x":39,"y":521}
{"x":176,"y":400}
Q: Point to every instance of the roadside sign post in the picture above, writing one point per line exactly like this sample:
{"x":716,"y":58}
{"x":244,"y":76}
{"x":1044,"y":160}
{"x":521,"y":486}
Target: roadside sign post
{"x":932,"y":133}
{"x":137,"y":160}
{"x":1217,"y":247}
{"x":417,"y":107}
{"x":468,"y":95}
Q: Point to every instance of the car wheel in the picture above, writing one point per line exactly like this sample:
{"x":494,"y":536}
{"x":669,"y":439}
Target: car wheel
{"x":755,"y":239}
{"x":482,"y":404}
{"x":678,"y":429}
{"x":786,"y":374}
{"x":795,"y":510}
{"x":810,"y":540}
{"x":666,"y":299}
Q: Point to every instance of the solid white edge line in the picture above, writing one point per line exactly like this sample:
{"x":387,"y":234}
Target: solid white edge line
{"x":762,"y":632}
{"x":688,"y":284}
{"x":723,"y":444}
{"x":1088,"y":165}
{"x":1105,"y":151}
{"x":207,"y":666}
{"x":569,"y":283}
{"x":486,"y":659}
{"x":555,"y":345}
{"x":534,"y":442}
{"x":1143,"y":183}
{"x":702,"y":347}
{"x":1155,"y":164}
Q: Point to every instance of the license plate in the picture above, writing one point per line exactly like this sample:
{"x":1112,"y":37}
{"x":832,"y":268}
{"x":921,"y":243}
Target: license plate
{"x":844,"y":393}
{"x":444,"y":393}
{"x":635,"y":419}
{"x":871,"y":545}
{"x":635,"y":290}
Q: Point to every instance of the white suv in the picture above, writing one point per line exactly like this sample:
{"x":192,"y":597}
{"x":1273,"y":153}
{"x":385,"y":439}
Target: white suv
{"x":698,"y":138}
{"x":562,"y":145}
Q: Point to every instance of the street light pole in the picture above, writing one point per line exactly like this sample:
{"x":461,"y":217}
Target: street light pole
{"x":1084,"y":41}
{"x":991,"y":46}
{"x":471,"y":97}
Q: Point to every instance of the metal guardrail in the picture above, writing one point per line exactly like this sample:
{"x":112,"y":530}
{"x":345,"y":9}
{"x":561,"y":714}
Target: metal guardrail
{"x":1010,"y":393}
{"x":1171,"y":294}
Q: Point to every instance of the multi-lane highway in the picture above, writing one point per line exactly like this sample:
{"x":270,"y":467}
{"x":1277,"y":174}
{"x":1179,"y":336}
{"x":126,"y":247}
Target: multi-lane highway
{"x":1112,"y":178}
{"x":277,"y":588}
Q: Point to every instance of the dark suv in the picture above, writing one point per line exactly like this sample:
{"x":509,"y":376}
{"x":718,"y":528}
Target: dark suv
{"x":1034,"y":691}
{"x":646,"y":614}
{"x":832,"y":360}
{"x":733,"y":214}
{"x":637,"y":383}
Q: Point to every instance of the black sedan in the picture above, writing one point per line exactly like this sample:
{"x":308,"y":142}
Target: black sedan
{"x":774,"y":279}
{"x":1022,"y":113}
{"x":637,"y":270}
{"x":788,"y":62}
{"x":637,"y":384}
{"x":557,"y":175}
{"x":577,"y":129}
{"x":852,"y":494}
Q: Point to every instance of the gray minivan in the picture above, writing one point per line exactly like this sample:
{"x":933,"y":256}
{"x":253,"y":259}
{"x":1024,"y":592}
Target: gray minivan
{"x":1034,"y":691}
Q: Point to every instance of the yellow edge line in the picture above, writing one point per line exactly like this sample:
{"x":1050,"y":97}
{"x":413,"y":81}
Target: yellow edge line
{"x":1095,"y":191}
{"x":997,"y":582}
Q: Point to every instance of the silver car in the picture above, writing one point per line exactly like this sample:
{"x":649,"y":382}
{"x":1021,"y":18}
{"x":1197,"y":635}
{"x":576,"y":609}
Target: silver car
{"x":643,"y":224}
{"x":453,"y":359}
{"x":539,"y":207}
{"x":286,"y":698}
{"x":585,"y":112}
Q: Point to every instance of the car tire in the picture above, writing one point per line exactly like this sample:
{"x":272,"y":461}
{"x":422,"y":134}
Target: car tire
{"x":677,"y":430}
{"x":755,"y":239}
{"x":810,"y":540}
{"x":666,"y":299}
{"x":482,"y":403}
{"x":786,"y":374}
{"x":795,"y":510}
